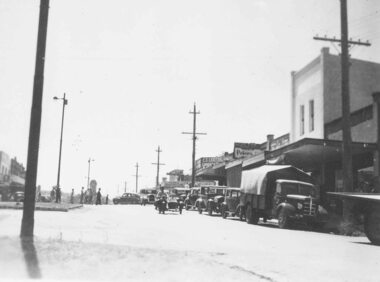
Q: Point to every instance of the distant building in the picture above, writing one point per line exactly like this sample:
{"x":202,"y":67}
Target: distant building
{"x":5,"y":167}
{"x":17,"y":173}
{"x":176,"y":175}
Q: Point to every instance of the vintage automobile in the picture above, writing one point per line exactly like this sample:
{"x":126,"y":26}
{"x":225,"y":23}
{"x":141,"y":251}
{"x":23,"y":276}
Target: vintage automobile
{"x":214,"y":204}
{"x":181,"y":192}
{"x":210,"y":198}
{"x":232,"y":205}
{"x":171,"y":203}
{"x":281,"y":192}
{"x":191,"y":198}
{"x":148,"y":196}
{"x":127,"y":198}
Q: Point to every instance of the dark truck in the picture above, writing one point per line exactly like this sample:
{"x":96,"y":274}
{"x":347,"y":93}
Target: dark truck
{"x":366,"y":204}
{"x":281,"y":192}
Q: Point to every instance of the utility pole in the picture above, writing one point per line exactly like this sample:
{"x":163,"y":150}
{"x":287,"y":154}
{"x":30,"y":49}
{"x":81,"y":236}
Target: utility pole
{"x":137,"y":177}
{"x":345,"y":85}
{"x":158,"y":166}
{"x":194,"y":133}
{"x":27,"y":223}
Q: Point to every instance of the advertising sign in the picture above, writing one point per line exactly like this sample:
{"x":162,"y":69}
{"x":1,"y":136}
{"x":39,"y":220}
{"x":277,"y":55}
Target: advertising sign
{"x":242,"y":150}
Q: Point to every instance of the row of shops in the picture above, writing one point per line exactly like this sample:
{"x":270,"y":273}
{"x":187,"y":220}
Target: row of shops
{"x":314,"y":141}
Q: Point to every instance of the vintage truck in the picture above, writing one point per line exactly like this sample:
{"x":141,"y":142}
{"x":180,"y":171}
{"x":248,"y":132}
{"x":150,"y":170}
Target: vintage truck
{"x":366,"y":204}
{"x":281,"y":192}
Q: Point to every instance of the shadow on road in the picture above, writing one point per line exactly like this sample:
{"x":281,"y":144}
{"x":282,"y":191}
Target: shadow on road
{"x":31,"y":259}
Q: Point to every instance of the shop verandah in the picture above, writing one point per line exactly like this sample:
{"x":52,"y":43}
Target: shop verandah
{"x":323,"y":159}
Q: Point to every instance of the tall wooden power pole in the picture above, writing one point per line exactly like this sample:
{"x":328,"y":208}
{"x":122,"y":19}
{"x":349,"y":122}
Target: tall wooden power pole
{"x":194,"y":137}
{"x":137,"y":177}
{"x":158,"y":166}
{"x":27,"y":224}
{"x":345,"y":84}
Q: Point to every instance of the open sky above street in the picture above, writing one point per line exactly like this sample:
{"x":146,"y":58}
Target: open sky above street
{"x":132,"y":71}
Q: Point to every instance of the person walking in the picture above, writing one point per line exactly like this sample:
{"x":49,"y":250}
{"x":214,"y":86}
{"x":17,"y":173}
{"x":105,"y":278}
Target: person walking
{"x":58,"y":195}
{"x":98,"y":198}
{"x":72,"y":197}
{"x":107,"y":200}
{"x":81,"y":195}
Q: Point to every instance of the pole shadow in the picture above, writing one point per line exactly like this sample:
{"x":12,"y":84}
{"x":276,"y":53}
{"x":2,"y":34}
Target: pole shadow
{"x":31,"y":259}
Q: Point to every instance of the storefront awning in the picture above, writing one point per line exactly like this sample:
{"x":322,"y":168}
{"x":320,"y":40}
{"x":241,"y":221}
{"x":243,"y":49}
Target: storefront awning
{"x":310,"y":153}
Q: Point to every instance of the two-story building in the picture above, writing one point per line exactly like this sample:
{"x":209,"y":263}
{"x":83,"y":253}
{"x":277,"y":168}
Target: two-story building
{"x":316,"y":120}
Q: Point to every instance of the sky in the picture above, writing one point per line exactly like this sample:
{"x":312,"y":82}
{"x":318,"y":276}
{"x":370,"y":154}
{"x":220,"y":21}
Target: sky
{"x":132,"y":71}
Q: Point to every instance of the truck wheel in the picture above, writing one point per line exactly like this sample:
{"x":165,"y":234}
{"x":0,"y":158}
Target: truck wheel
{"x":372,"y":226}
{"x":251,"y":216}
{"x":283,"y":219}
{"x":199,"y":209}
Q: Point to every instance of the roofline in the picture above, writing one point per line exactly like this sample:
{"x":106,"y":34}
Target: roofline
{"x":315,"y":141}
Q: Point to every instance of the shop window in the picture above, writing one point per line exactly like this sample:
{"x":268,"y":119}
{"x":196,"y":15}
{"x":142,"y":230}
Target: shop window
{"x":311,"y":115}
{"x":302,"y":120}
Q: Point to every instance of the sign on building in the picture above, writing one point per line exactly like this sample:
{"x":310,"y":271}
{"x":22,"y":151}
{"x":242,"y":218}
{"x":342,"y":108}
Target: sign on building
{"x":242,"y":150}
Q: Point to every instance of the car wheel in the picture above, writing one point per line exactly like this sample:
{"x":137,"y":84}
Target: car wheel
{"x":372,"y":226}
{"x":283,"y":219}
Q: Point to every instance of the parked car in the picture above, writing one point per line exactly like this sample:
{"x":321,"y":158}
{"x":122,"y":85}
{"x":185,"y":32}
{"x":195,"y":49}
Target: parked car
{"x":281,"y":192}
{"x":181,"y":192}
{"x":127,"y":198}
{"x":214,"y":204}
{"x":210,"y":197}
{"x":148,"y":196}
{"x":172,"y":203}
{"x":18,"y":196}
{"x":232,"y":205}
{"x":191,"y":198}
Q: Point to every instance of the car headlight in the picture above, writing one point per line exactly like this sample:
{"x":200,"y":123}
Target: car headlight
{"x":299,"y":206}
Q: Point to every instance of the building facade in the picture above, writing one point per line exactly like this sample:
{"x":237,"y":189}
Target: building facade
{"x":317,"y":104}
{"x":5,"y":167}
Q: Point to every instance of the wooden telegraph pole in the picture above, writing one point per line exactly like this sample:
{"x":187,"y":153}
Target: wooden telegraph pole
{"x":194,"y":137}
{"x":345,"y":84}
{"x":137,"y":177}
{"x":158,"y":166}
{"x":27,"y":224}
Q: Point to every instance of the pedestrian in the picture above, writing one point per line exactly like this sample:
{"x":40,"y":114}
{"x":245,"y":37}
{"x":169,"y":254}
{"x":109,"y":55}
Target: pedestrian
{"x":58,"y":195}
{"x":107,"y":200}
{"x":98,"y":198}
{"x":52,"y":194}
{"x":81,"y":195}
{"x":72,"y":197}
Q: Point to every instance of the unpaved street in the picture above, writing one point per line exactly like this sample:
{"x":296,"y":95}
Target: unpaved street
{"x":137,"y":243}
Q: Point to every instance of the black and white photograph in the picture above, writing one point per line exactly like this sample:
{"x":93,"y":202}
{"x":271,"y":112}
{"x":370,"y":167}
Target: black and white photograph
{"x":202,"y":140}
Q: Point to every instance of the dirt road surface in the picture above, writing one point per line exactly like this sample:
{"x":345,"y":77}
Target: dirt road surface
{"x":135,"y":243}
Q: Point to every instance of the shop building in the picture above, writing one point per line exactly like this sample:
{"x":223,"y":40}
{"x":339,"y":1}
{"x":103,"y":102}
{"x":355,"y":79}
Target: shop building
{"x":316,"y":121}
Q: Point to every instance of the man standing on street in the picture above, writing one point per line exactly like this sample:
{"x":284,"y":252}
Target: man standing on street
{"x":81,"y":195}
{"x":107,"y":200}
{"x":72,"y":197}
{"x":98,"y":198}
